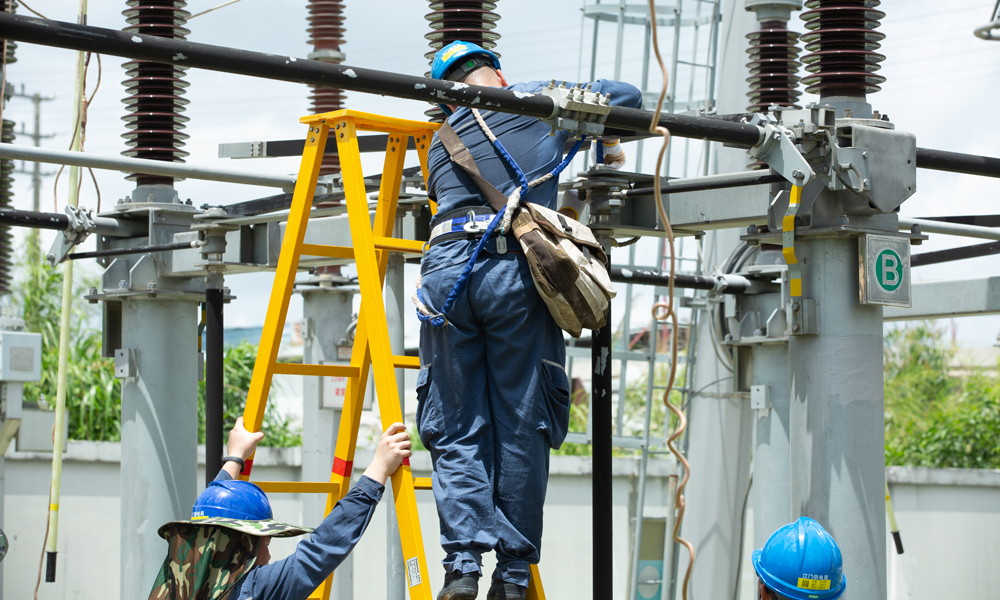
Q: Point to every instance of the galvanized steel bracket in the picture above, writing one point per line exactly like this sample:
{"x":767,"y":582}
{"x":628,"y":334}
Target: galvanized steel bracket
{"x":778,"y":149}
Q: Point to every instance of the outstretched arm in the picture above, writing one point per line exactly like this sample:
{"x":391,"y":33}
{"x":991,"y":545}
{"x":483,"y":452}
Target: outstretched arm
{"x":295,"y":577}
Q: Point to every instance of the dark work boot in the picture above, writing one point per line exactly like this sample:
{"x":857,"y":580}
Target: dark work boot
{"x":501,"y":590}
{"x":460,"y":586}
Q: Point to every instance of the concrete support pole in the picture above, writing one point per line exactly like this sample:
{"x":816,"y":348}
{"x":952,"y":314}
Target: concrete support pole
{"x":328,"y":312}
{"x":395,"y":301}
{"x":771,"y":495}
{"x":159,"y":433}
{"x":718,"y":446}
{"x":837,"y":413}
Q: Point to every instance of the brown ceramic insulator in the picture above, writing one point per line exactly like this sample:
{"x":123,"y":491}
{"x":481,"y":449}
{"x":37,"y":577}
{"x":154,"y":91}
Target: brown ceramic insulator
{"x":842,"y":43}
{"x":6,"y":199}
{"x":326,"y":32}
{"x":773,"y":67}
{"x":155,"y":91}
{"x":459,"y":20}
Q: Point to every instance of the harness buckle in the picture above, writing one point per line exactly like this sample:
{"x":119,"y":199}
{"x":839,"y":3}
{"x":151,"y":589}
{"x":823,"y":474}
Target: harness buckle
{"x":473,"y":226}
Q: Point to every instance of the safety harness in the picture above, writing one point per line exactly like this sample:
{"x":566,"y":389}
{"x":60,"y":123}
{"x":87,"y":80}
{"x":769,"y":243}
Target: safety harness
{"x":505,"y":207}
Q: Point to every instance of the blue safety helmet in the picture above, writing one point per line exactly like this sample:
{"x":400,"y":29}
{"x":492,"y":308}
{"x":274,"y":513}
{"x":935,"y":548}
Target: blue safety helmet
{"x":802,"y":561}
{"x":458,"y":59}
{"x":237,"y":505}
{"x":232,"y":500}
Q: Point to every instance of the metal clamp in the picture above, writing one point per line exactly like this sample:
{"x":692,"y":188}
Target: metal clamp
{"x":81,"y":225}
{"x":778,"y":149}
{"x":576,"y":109}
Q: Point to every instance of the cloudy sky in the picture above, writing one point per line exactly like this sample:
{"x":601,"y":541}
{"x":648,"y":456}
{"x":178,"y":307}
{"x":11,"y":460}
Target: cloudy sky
{"x":943,"y":84}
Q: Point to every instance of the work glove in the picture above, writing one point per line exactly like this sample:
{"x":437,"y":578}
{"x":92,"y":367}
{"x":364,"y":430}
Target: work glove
{"x":572,"y":204}
{"x":614,"y":154}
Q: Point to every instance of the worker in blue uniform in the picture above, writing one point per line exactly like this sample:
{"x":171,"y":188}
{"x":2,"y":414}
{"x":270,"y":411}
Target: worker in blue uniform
{"x":222,"y":552}
{"x":800,"y":561}
{"x":493,"y":392}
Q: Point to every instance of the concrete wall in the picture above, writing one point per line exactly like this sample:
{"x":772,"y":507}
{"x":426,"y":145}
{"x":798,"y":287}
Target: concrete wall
{"x":88,"y":566}
{"x":949,"y":520}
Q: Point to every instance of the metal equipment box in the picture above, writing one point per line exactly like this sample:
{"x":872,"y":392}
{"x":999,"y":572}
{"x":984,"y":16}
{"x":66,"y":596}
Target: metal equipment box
{"x":20,"y":356}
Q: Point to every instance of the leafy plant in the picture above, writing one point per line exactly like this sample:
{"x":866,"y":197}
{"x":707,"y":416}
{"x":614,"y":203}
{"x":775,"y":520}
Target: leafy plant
{"x":93,"y":394}
{"x":237,"y":368}
{"x":934,"y":419}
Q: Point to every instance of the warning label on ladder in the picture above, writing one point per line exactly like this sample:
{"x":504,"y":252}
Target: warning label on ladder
{"x":413,"y":571}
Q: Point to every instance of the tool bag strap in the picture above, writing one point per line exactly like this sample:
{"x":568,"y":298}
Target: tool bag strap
{"x":461,"y":156}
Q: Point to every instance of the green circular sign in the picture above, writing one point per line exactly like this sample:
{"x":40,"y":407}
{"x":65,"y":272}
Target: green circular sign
{"x":889,"y":270}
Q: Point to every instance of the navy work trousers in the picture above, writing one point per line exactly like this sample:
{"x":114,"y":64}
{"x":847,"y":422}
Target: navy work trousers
{"x":493,"y":399}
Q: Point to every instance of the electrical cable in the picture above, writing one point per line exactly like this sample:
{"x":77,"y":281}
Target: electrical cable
{"x":31,"y":10}
{"x":81,"y":129}
{"x":205,"y":12}
{"x":662,"y":311}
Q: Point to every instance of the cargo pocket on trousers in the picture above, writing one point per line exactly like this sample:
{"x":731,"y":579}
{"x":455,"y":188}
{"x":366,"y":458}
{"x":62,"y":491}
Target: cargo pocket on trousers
{"x":429,"y":419}
{"x":554,"y":421}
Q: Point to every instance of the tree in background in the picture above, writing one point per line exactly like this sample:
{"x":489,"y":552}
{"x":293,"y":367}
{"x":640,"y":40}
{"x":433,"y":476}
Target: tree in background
{"x":93,"y":394}
{"x":933,"y":418}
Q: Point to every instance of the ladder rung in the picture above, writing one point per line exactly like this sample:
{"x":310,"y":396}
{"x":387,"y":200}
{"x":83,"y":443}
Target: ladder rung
{"x":406,"y":362}
{"x":398,"y":245}
{"x":317,"y":370}
{"x":327,"y":251}
{"x":298,"y":487}
{"x":381,"y":243}
{"x":421,"y":483}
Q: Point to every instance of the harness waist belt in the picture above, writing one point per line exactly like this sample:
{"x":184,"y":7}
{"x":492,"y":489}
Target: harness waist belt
{"x":466,"y":224}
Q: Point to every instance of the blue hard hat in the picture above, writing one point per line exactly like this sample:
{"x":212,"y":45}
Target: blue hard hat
{"x":802,"y":561}
{"x":458,"y":59}
{"x":232,"y":500}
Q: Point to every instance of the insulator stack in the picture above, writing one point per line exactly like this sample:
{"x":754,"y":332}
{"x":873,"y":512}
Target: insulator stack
{"x":842,"y":41}
{"x":326,"y":34}
{"x":7,"y":172}
{"x":6,"y":201}
{"x":454,"y":20}
{"x":773,"y":67}
{"x":155,"y":90}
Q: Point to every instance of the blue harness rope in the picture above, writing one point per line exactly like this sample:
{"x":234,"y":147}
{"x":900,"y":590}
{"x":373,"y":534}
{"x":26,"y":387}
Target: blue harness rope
{"x":440,"y":320}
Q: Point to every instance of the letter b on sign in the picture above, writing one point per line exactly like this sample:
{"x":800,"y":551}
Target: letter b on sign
{"x":889,"y":270}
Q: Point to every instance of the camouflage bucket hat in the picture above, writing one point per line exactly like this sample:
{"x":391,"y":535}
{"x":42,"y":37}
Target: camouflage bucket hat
{"x":262,"y":528}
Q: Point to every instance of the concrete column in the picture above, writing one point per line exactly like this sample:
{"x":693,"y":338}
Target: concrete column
{"x":720,"y":429}
{"x":328,"y":311}
{"x":771,"y":493}
{"x":159,"y":433}
{"x":837,"y":412}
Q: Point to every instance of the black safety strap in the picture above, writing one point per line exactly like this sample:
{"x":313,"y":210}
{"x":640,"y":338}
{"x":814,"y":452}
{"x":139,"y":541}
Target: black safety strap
{"x":461,"y":156}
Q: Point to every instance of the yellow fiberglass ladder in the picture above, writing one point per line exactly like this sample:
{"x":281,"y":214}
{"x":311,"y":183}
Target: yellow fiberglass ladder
{"x":371,"y":244}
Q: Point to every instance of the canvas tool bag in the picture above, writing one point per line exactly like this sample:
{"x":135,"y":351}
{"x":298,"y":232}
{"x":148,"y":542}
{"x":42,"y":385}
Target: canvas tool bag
{"x":567,"y":263}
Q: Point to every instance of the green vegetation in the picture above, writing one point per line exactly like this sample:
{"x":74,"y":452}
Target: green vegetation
{"x":933,"y":418}
{"x":633,"y":417}
{"x":93,"y":395}
{"x":237,"y":372}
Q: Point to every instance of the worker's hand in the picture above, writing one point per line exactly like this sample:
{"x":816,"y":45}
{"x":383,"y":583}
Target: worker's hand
{"x":242,"y":443}
{"x":390,"y":452}
{"x":572,"y":204}
{"x":614,"y":154}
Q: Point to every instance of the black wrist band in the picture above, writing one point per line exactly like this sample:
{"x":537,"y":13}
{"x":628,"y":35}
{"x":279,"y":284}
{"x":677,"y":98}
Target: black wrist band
{"x":235,"y":459}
